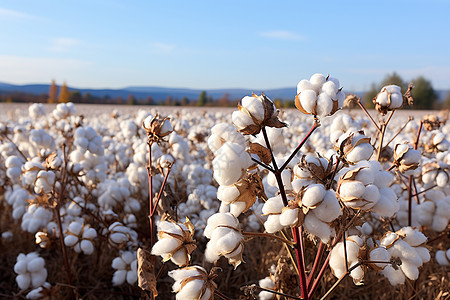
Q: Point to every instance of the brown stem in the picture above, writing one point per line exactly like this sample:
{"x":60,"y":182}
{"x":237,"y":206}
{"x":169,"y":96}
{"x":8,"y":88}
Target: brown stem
{"x":380,"y":144}
{"x":367,"y":113}
{"x":150,"y":196}
{"x":416,"y":143}
{"x":220,"y":295}
{"x":263,"y":164}
{"x":267,"y":235}
{"x":314,"y":127}
{"x":398,"y":132}
{"x":410,"y":200}
{"x":425,"y":190}
{"x":155,"y":205}
{"x":255,"y":287}
{"x":266,"y":138}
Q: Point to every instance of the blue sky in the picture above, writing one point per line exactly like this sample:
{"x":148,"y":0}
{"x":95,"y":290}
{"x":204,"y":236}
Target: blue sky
{"x":223,"y":44}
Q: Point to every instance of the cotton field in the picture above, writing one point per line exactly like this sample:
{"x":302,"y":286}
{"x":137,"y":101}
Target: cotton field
{"x":257,"y":203}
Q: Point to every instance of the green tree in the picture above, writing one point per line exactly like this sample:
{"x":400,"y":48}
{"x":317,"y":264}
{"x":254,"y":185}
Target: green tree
{"x":447,"y":101}
{"x":202,"y":99}
{"x":389,"y":79}
{"x":75,"y":97}
{"x":131,"y":100}
{"x":423,"y":94}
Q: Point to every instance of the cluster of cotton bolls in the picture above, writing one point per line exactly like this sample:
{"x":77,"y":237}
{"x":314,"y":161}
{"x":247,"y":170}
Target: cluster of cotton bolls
{"x":192,"y":283}
{"x":351,"y":250}
{"x":126,"y":268}
{"x":64,"y":110}
{"x":80,"y":237}
{"x":389,"y":98}
{"x":320,"y":95}
{"x":31,"y":271}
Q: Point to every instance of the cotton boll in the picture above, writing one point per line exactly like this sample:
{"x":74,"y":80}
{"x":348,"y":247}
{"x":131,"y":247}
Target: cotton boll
{"x":36,"y":264}
{"x":372,"y":195}
{"x":380,"y":254}
{"x":317,"y":80}
{"x":23,"y":281}
{"x":329,"y":209}
{"x":410,"y":271}
{"x":395,"y":277}
{"x":118,"y":263}
{"x":304,"y":85}
{"x":119,"y":277}
{"x":442,"y":258}
{"x":396,"y":100}
{"x":313,"y":195}
{"x":439,"y":223}
{"x":324,"y":105}
{"x":289,"y":217}
{"x":352,"y":189}
{"x":272,"y":224}
{"x":38,"y":279}
{"x":383,"y":99}
{"x":387,"y":205}
{"x":191,"y":290}
{"x":236,"y":208}
{"x":241,"y":119}
{"x":308,"y":100}
{"x":273,"y":205}
{"x":330,"y":89}
{"x":361,"y":152}
{"x":227,"y":193}
{"x":318,"y":228}
{"x":254,"y":107}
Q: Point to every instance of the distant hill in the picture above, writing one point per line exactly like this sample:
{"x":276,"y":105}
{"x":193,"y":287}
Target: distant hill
{"x":161,"y":93}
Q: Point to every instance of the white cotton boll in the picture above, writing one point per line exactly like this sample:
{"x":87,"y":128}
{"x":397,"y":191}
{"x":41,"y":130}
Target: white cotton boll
{"x":225,"y":239}
{"x":313,"y":195}
{"x":413,"y":236}
{"x":119,"y":277}
{"x":395,"y":277}
{"x":165,"y":245}
{"x":289,"y":217}
{"x":366,"y":176}
{"x":441,"y":179}
{"x":411,"y":157}
{"x":357,"y":273}
{"x":39,"y":278}
{"x":439,"y":223}
{"x":118,"y":237}
{"x":392,"y":88}
{"x":308,"y":100}
{"x":87,"y":247}
{"x":118,"y":263}
{"x":36,"y":264}
{"x":21,"y":266}
{"x":324,"y":105}
{"x":410,"y":270}
{"x":166,"y":127}
{"x":254,"y":107}
{"x":380,"y":254}
{"x":179,"y":258}
{"x":207,"y":294}
{"x":383,"y":99}
{"x":396,"y":100}
{"x":366,"y":229}
{"x":318,"y":228}
{"x":383,"y":179}
{"x":329,"y":209}
{"x":361,"y":152}
{"x":273,"y":205}
{"x":441,"y":258}
{"x":272,"y":224}
{"x":89,"y":233}
{"x":241,"y":119}
{"x":330,"y":89}
{"x":352,"y":189}
{"x":337,"y":261}
{"x":236,"y":208}
{"x":227,"y":193}
{"x":387,"y":205}
{"x":341,"y":98}
{"x":317,"y":80}
{"x":304,"y":85}
{"x":372,"y":195}
{"x":23,"y":281}
{"x":191,"y":290}
{"x":424,"y":254}
{"x":211,"y":253}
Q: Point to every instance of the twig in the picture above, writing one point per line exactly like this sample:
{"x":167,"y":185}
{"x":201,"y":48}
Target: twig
{"x":319,"y":254}
{"x":398,"y":132}
{"x":155,"y":205}
{"x":367,"y":113}
{"x":267,"y":235}
{"x":255,"y":287}
{"x":300,"y":263}
{"x":150,"y":196}
{"x":314,"y":127}
{"x":220,"y":295}
{"x":263,"y":164}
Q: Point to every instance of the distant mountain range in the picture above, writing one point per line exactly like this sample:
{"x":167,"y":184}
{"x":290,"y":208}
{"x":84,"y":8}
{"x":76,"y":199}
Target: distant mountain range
{"x":161,"y":93}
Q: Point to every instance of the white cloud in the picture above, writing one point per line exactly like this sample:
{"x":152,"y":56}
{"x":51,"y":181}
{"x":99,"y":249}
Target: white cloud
{"x":63,"y":44}
{"x":163,"y":47}
{"x":14,"y":14}
{"x":20,"y":69}
{"x":282,"y":35}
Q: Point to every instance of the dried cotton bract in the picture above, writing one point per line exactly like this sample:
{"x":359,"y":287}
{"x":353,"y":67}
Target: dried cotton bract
{"x":176,"y":242}
{"x":354,"y":147}
{"x":406,"y":158}
{"x":157,"y":128}
{"x":320,"y":96}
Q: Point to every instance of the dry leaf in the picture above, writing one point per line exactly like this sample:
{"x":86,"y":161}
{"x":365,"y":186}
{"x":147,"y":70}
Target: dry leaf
{"x":146,"y":271}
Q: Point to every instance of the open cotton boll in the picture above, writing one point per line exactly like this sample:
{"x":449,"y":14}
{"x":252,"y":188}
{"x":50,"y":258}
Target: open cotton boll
{"x":329,"y":209}
{"x":412,"y":236}
{"x":318,"y":228}
{"x":443,"y":257}
{"x":241,"y":119}
{"x":254,"y":107}
{"x":289,"y":216}
{"x":380,"y":254}
{"x":387,"y":205}
{"x":227,"y":193}
{"x":266,"y":283}
{"x":313,"y":195}
{"x":330,"y":89}
{"x":324,"y":105}
{"x":304,"y":85}
{"x":308,"y":99}
{"x":395,"y":277}
{"x":361,"y":152}
{"x":317,"y":80}
{"x":352,"y":189}
{"x":230,"y":163}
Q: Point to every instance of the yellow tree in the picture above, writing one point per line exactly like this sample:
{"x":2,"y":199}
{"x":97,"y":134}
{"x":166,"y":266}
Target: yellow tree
{"x":64,"y":94}
{"x":52,"y":92}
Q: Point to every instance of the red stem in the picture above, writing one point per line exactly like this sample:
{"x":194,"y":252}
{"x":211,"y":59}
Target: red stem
{"x":316,"y":263}
{"x":160,"y":193}
{"x":150,"y":196}
{"x":300,"y":261}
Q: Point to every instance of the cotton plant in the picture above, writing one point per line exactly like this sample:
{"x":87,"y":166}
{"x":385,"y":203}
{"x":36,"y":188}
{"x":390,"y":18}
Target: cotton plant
{"x":388,"y":99}
{"x":193,"y":283}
